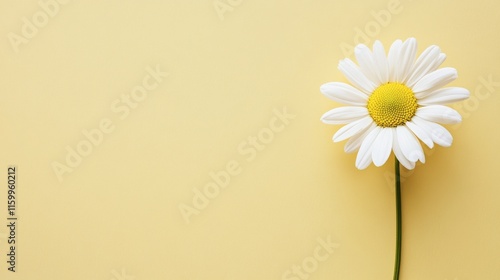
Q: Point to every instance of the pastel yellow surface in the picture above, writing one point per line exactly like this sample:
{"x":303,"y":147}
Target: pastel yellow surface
{"x":167,"y":99}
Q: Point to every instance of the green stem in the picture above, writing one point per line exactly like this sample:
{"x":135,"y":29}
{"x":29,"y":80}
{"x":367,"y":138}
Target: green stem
{"x":398,"y":222}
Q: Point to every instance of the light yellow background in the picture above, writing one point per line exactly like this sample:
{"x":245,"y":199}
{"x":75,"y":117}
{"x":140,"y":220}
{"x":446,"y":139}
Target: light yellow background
{"x":117,"y":216}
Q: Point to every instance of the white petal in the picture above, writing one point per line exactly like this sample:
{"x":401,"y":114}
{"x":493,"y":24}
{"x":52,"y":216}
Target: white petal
{"x":380,"y":59}
{"x":352,"y":72}
{"x":445,"y":96}
{"x":399,"y":154}
{"x":382,"y":146}
{"x":434,"y":81}
{"x":364,"y":157}
{"x":439,"y":61}
{"x":420,"y":133}
{"x":406,"y":59}
{"x":409,"y":144}
{"x":393,"y":57}
{"x":423,"y":65}
{"x":344,"y":93}
{"x":438,"y":133}
{"x":352,"y":129}
{"x":355,"y":141}
{"x":343,"y":115}
{"x":439,"y":113}
{"x":367,"y":64}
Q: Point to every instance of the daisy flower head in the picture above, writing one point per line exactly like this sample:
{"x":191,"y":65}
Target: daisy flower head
{"x":393,"y":101}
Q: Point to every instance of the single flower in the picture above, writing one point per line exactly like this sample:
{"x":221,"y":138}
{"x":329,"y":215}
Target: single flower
{"x":394,"y":101}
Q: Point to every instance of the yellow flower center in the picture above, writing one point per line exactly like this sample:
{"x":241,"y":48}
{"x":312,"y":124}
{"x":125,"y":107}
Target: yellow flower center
{"x":392,"y":104}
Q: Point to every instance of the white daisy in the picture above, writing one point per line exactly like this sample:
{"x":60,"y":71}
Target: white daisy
{"x":394,"y":101}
